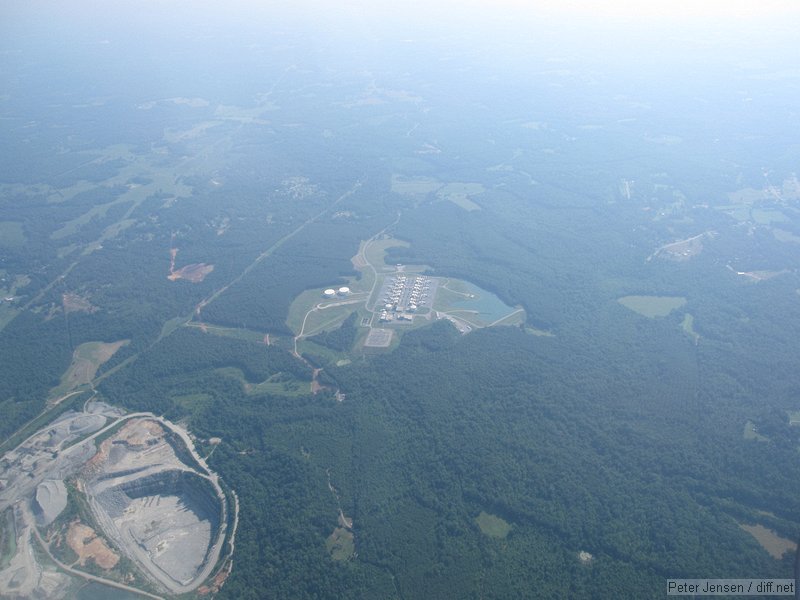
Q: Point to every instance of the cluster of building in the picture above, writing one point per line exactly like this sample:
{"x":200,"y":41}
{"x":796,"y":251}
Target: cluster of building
{"x":404,"y":295}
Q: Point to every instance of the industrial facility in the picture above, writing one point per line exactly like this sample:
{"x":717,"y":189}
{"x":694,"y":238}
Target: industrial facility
{"x":402,"y":296}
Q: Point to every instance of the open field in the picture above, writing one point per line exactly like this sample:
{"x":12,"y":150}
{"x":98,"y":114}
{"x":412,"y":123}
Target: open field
{"x":231,"y":332}
{"x":538,"y":332}
{"x":750,"y":433}
{"x":160,"y":180}
{"x":766,"y":216}
{"x":652,"y":306}
{"x":414,"y":186}
{"x":327,"y":317}
{"x":688,"y":326}
{"x":458,"y":193}
{"x":379,"y":338}
{"x":785,"y":236}
{"x":76,"y":303}
{"x":10,"y":288}
{"x":682,"y":249}
{"x":306,"y":346}
{"x":770,"y":541}
{"x":492,"y":525}
{"x":757,"y":276}
{"x":300,"y":306}
{"x":376,"y":251}
{"x":193,"y":402}
{"x":86,"y":359}
{"x":468,"y":302}
{"x":340,"y":544}
{"x":461,"y":194}
{"x":312,"y":309}
{"x":277,"y":385}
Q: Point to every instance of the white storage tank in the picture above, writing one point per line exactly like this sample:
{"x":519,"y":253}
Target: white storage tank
{"x":343,"y":291}
{"x":329,"y":293}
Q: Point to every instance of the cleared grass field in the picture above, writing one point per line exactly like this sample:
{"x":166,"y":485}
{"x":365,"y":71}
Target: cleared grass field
{"x":770,"y":541}
{"x":232,"y":332}
{"x":492,"y":525}
{"x":476,"y":306}
{"x":415,"y":185}
{"x":652,"y":306}
{"x":750,"y":433}
{"x":341,"y":544}
{"x":86,"y":359}
{"x":279,"y":384}
{"x":460,"y":194}
{"x":327,"y":319}
{"x":688,"y":326}
{"x":323,"y":352}
{"x":310,"y":306}
{"x":376,"y":252}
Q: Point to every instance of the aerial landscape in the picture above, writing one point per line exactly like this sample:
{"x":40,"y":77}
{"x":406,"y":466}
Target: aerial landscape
{"x":458,"y":301}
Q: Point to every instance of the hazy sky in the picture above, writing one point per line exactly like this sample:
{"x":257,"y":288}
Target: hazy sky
{"x":639,"y":32}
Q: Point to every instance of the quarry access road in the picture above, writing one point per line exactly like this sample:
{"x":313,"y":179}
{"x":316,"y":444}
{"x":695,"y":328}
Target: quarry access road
{"x":29,"y":522}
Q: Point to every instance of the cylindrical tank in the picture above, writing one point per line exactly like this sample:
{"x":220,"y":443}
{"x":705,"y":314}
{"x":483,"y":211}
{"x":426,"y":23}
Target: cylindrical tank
{"x":329,"y":293}
{"x":343,"y":291}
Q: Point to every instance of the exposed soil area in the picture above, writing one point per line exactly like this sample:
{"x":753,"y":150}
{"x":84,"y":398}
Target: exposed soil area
{"x":84,"y":542}
{"x":194,"y":273}
{"x":316,"y":386}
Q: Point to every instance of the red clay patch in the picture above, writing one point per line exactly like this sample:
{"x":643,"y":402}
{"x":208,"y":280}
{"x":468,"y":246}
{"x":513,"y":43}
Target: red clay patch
{"x":85,"y":543}
{"x":195,"y":273}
